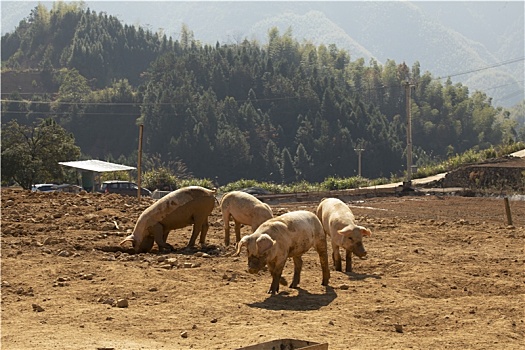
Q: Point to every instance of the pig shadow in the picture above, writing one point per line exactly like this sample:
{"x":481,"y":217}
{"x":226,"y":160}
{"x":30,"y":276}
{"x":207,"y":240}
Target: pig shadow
{"x":209,"y":249}
{"x":353,"y":276}
{"x":185,"y":250}
{"x":304,"y":301}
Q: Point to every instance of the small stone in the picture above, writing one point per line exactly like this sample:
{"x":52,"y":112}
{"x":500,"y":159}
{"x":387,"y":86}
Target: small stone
{"x":87,"y":276}
{"x":64,"y":253}
{"x":399,"y":328}
{"x":37,"y":308}
{"x":153,"y":289}
{"x":344,"y":287}
{"x":184,"y":334}
{"x":172,"y":261}
{"x":108,"y":301}
{"x":122,"y":303}
{"x":50,"y":240}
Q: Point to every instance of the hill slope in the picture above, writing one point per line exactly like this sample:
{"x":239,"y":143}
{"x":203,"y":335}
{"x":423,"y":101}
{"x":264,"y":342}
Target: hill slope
{"x":446,"y":38}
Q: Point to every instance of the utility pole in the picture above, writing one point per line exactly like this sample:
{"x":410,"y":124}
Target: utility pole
{"x":139,"y":162}
{"x":408,"y":90}
{"x":359,"y":150}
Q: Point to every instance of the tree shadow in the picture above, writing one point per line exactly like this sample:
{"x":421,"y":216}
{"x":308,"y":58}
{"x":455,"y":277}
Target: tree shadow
{"x":304,"y":301}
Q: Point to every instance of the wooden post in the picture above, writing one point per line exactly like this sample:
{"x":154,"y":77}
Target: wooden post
{"x":507,"y":211}
{"x":139,"y":161}
{"x":359,"y":151}
{"x":408,"y":89}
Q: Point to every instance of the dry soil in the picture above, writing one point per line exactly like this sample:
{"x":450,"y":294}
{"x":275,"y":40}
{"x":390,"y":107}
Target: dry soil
{"x":442,"y":272}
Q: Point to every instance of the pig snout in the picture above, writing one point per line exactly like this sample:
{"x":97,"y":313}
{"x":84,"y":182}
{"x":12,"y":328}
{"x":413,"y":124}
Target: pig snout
{"x":359,"y":250}
{"x":255,"y":264}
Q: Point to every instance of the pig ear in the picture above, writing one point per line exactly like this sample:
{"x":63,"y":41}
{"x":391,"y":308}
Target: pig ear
{"x":129,"y":238}
{"x":264,"y":243}
{"x":364,"y":231}
{"x":345,"y":231}
{"x":240,"y":244}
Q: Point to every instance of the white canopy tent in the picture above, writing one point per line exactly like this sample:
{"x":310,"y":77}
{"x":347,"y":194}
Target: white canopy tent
{"x":88,"y":170}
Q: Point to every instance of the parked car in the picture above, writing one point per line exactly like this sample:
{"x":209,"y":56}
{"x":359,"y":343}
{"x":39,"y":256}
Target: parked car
{"x":124,"y":188}
{"x":44,"y":188}
{"x":69,"y":188}
{"x":255,"y":191}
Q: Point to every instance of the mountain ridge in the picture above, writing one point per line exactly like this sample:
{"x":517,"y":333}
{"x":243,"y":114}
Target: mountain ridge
{"x":445,"y":38}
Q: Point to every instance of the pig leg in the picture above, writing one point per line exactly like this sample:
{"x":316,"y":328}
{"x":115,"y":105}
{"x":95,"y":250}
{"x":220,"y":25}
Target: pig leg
{"x":160,"y":237}
{"x":237,"y":230}
{"x":336,"y":256}
{"x":194,"y":233}
{"x":297,"y":267}
{"x":276,"y":270}
{"x":348,"y":261}
{"x":226,"y":220}
{"x":204,"y":231}
{"x":322,"y":250}
{"x":165,"y":238}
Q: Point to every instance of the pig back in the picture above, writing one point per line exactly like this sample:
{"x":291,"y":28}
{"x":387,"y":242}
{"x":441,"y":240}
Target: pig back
{"x":194,"y":211}
{"x":334,"y":215}
{"x":296,"y":231}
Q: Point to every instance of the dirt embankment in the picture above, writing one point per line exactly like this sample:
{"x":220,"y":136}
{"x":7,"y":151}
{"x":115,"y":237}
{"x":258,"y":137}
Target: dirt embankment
{"x":500,"y":175}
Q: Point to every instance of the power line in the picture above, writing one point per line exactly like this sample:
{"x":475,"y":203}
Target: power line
{"x":504,"y":63}
{"x":363,"y":89}
{"x":499,"y":86}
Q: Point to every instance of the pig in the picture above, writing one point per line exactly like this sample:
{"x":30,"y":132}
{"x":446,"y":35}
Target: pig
{"x":286,"y":236}
{"x":178,"y":209}
{"x":339,"y":223}
{"x":245,"y":209}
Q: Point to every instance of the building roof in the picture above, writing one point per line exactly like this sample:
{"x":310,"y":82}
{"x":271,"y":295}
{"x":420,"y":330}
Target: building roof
{"x":97,"y":166}
{"x":520,"y":154}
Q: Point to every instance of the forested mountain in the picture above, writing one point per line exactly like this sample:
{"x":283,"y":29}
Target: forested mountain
{"x":480,"y":43}
{"x":285,"y":111}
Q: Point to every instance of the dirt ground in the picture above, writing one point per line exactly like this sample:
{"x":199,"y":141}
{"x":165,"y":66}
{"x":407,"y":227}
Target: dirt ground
{"x":442,"y":272}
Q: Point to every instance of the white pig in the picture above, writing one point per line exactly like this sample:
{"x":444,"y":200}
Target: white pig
{"x":287,"y":236}
{"x":245,"y":209}
{"x":339,"y":223}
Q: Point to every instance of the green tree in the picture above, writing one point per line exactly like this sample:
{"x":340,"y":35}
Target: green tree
{"x":302,"y":163}
{"x":30,"y":154}
{"x":287,"y":167}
